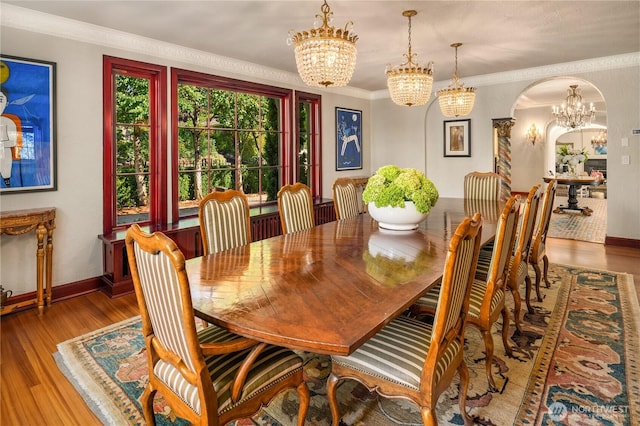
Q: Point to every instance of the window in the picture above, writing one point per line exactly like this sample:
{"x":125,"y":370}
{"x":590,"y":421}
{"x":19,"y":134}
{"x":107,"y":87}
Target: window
{"x":230,"y":135}
{"x":134,"y":143}
{"x":308,"y":142}
{"x":226,"y":134}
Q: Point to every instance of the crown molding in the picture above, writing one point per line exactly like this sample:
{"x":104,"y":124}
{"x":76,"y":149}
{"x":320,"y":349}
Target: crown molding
{"x":12,"y":16}
{"x":606,"y":63}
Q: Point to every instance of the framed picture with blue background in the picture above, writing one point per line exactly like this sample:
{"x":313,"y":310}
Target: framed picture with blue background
{"x":348,"y":139}
{"x":27,"y":125}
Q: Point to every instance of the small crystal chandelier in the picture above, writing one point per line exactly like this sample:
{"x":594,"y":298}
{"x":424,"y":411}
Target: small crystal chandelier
{"x":599,"y":140}
{"x":456,"y":100}
{"x":325,"y":56}
{"x":574,"y":114}
{"x":409,"y":83}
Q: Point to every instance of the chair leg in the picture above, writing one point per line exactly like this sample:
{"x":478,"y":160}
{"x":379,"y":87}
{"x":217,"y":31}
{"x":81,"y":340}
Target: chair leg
{"x":488,"y":347}
{"x":146,"y":400}
{"x":505,"y":331}
{"x":462,"y":396}
{"x":545,"y":262}
{"x":527,"y":294}
{"x":332,"y":384}
{"x":517,"y":306}
{"x":536,"y":267}
{"x":305,"y":398}
{"x":429,"y":416}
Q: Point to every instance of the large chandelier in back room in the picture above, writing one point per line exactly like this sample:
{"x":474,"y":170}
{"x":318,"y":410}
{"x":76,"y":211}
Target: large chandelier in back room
{"x":325,"y":56}
{"x":573,"y":114}
{"x":409,"y":83}
{"x":456,"y":100}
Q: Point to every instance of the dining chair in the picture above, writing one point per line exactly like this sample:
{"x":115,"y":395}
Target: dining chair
{"x":414,"y":360}
{"x":345,"y":198}
{"x":519,"y":267}
{"x":224,"y":221}
{"x":295,"y":206}
{"x":487,"y":300}
{"x":211,"y":376}
{"x":538,"y":252}
{"x":482,"y":185}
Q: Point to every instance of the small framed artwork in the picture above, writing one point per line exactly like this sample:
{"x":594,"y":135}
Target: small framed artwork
{"x":457,"y":138}
{"x":348,"y":139}
{"x":27,"y":125}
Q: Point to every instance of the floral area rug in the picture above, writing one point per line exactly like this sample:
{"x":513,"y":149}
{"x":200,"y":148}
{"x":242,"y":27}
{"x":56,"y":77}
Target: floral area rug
{"x":575,"y":363}
{"x":573,"y":225}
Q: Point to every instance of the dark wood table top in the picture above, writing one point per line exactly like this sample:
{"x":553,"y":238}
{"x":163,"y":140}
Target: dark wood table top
{"x":574,"y":180}
{"x":327,"y":289}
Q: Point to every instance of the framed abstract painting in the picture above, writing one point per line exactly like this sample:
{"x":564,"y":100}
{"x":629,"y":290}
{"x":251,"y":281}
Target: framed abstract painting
{"x":348,"y":139}
{"x":28,"y":125}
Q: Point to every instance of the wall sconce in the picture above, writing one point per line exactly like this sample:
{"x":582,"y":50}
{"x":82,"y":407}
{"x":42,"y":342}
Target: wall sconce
{"x":533,"y":134}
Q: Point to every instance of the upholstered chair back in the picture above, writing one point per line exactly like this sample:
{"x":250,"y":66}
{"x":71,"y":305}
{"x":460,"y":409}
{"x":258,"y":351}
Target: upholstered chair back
{"x":483,"y":186}
{"x":295,"y":206}
{"x":224,"y":221}
{"x":504,"y":242}
{"x":459,"y":272}
{"x":545,"y":213}
{"x":527,"y":223}
{"x":345,"y":198}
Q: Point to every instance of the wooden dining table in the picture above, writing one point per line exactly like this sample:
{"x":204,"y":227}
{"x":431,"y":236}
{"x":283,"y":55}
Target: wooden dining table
{"x":330,"y":288}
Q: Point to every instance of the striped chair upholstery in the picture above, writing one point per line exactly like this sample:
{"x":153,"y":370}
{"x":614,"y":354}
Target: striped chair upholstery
{"x":207,"y":377}
{"x":345,"y":198}
{"x":414,"y":360}
{"x":224,"y":221}
{"x":538,"y":252}
{"x":487,"y":299}
{"x":519,"y":270}
{"x":482,"y":186}
{"x":295,"y":206}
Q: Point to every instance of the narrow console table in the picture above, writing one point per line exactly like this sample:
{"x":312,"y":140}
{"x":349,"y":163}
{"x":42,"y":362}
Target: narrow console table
{"x":18,"y":222}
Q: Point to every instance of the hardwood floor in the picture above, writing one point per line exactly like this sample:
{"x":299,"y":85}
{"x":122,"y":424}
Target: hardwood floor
{"x":34,"y":392}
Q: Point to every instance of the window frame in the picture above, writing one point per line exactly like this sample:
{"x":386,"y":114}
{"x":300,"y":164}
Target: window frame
{"x":315,"y":140}
{"x":182,"y":76}
{"x":157,"y":76}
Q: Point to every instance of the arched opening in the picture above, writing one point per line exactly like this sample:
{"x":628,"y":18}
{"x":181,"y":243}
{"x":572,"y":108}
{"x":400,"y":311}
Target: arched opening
{"x":535,"y":157}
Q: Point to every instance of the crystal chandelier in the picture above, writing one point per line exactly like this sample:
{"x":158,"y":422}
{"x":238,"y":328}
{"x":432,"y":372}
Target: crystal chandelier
{"x":456,"y":100}
{"x":409,"y":83}
{"x":600,"y":139}
{"x":325,"y":56}
{"x":574,"y":114}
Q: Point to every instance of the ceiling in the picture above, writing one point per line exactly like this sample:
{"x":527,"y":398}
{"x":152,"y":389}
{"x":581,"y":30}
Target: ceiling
{"x":497,"y":36}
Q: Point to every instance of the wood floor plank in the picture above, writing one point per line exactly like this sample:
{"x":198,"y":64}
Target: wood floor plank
{"x":35,"y":392}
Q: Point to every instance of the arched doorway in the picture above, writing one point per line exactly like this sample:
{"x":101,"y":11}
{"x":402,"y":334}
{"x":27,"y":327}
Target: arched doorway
{"x":533,"y":159}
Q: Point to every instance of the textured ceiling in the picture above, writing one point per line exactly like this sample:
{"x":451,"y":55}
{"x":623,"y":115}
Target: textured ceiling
{"x":498,"y":36}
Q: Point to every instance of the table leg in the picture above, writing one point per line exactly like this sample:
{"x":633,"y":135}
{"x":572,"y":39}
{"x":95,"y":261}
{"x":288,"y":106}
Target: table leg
{"x":41,"y":231}
{"x":49,"y":266}
{"x":573,"y":203}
